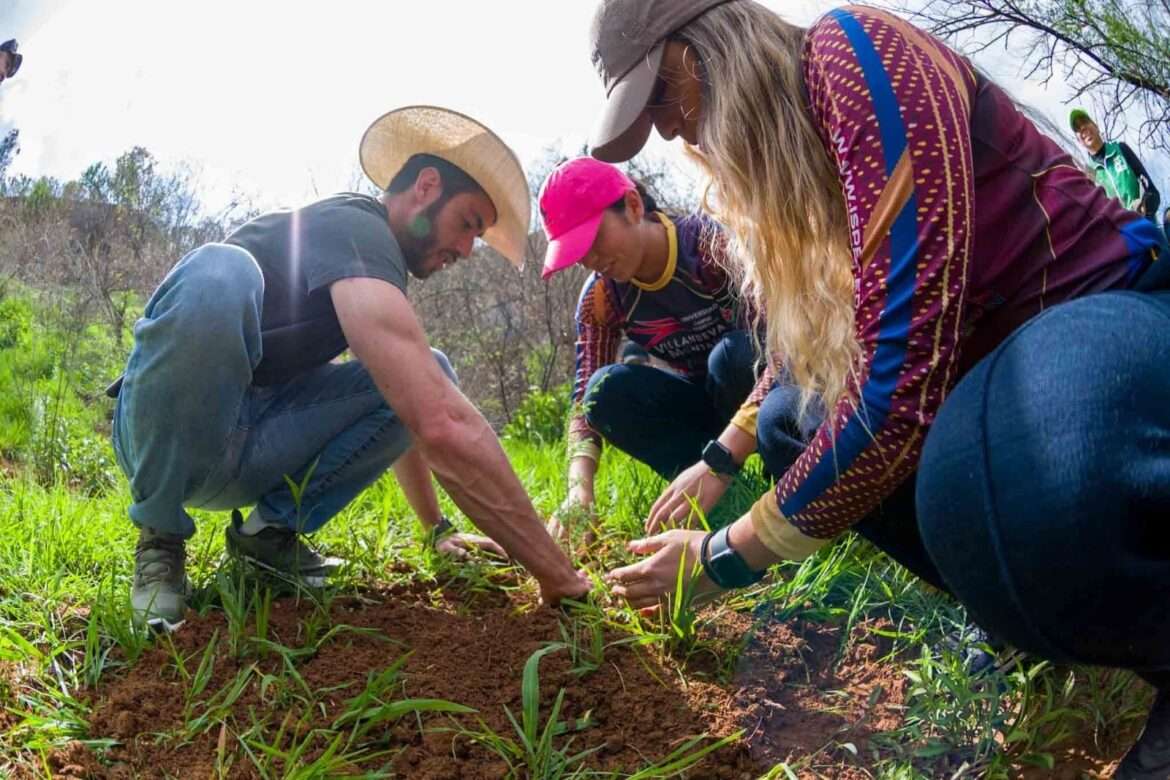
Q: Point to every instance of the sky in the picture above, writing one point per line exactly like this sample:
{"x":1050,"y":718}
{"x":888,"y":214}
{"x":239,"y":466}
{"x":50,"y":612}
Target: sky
{"x":269,"y":99}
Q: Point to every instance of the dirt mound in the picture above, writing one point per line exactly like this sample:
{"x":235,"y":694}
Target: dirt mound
{"x":788,"y":692}
{"x":805,"y":693}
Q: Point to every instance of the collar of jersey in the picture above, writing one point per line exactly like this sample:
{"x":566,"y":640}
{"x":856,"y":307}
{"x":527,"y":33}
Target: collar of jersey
{"x":671,"y":258}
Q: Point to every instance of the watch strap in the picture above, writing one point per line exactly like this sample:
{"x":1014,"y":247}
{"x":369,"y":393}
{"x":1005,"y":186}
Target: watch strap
{"x":723,"y":565}
{"x":443,"y":528}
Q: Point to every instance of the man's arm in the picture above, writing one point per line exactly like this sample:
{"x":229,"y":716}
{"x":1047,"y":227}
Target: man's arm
{"x":414,"y":477}
{"x":453,"y":437}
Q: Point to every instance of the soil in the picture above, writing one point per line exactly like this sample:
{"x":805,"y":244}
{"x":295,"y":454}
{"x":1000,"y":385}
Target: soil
{"x":1084,"y":758}
{"x":797,"y":689}
{"x":786,"y":691}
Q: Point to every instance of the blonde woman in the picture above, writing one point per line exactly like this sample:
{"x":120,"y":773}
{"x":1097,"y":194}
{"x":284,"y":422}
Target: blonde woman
{"x":962,"y":299}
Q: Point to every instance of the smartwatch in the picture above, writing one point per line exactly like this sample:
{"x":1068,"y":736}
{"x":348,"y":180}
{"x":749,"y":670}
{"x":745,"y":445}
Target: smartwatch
{"x":723,"y":565}
{"x":718,"y":459}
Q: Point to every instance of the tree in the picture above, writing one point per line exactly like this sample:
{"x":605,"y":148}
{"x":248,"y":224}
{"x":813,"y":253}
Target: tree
{"x":1116,"y":52}
{"x":9,"y":148}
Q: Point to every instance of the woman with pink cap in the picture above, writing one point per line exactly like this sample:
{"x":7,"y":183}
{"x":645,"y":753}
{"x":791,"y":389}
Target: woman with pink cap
{"x":656,"y":281}
{"x":987,"y":329}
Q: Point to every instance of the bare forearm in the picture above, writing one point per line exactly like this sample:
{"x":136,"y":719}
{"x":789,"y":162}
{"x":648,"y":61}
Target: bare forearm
{"x":414,"y":477}
{"x":738,"y":443}
{"x":744,"y":541}
{"x":581,"y":473}
{"x":473,"y":469}
{"x":454,"y":440}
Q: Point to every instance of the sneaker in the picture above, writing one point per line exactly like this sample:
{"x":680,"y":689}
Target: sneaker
{"x":1149,"y":758}
{"x":158,"y":598}
{"x":280,"y":550}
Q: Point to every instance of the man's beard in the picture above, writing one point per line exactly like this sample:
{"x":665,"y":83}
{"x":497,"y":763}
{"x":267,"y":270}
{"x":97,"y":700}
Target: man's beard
{"x":420,"y":241}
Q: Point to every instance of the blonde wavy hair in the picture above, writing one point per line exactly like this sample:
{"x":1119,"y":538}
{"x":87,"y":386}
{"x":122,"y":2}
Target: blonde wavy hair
{"x":774,"y":185}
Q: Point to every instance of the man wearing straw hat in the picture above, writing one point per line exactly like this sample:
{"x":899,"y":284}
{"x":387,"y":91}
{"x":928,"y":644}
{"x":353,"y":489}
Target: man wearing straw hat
{"x":230,"y":397}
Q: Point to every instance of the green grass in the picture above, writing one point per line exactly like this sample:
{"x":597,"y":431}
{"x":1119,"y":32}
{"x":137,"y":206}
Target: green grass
{"x":66,"y":550}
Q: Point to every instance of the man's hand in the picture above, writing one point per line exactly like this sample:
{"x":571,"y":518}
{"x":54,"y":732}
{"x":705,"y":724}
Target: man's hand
{"x":460,"y":546}
{"x":673,"y":508}
{"x":649,"y":581}
{"x":551,"y":593}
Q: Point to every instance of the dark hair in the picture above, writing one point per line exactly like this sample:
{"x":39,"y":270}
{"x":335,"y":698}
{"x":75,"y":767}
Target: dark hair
{"x":647,"y":200}
{"x":455,"y":179}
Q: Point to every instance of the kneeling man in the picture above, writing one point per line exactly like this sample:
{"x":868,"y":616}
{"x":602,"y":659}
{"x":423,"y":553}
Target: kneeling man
{"x":230,"y":393}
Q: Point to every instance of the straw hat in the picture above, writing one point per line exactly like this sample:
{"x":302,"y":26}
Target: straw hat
{"x":460,"y":140}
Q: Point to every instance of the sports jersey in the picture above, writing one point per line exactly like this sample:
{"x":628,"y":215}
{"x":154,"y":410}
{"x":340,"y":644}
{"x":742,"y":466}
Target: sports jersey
{"x":678,"y":318}
{"x":969,"y":222}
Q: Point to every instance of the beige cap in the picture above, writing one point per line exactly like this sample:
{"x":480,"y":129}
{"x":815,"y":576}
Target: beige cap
{"x":627,"y":40}
{"x":395,"y":137}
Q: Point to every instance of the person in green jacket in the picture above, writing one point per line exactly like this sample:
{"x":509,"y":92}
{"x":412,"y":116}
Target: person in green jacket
{"x":1116,"y":167}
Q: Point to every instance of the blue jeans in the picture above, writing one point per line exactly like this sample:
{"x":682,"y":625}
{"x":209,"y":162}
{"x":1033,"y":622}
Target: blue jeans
{"x":663,"y":419}
{"x":1042,"y":497}
{"x":1043,"y":491}
{"x":190,"y":429}
{"x":782,"y":433}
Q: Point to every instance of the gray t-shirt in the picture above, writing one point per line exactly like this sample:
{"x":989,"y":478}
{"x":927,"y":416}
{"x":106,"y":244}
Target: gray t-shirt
{"x":301,"y":253}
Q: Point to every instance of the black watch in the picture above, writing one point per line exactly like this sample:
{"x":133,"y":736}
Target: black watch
{"x":443,"y":528}
{"x":718,"y":459}
{"x":723,"y":565}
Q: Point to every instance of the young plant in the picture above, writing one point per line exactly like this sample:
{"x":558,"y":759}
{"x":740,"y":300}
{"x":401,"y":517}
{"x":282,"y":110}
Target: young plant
{"x":684,"y":757}
{"x":233,"y":600}
{"x":534,"y":751}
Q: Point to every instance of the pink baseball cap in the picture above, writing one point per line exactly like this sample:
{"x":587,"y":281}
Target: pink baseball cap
{"x":573,"y":200}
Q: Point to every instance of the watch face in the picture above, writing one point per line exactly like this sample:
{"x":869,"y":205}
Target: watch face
{"x":718,"y":458}
{"x":723,"y":562}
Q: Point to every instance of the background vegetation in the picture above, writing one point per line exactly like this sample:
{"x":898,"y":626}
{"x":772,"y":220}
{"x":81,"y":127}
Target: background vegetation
{"x":79,"y":257}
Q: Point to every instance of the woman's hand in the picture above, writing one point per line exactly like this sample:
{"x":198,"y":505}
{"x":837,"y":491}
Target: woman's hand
{"x":649,"y":581}
{"x":673,"y":508}
{"x":576,"y":506}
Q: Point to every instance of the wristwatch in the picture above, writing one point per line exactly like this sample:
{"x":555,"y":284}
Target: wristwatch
{"x":443,"y":528}
{"x":718,"y":459}
{"x":723,"y":565}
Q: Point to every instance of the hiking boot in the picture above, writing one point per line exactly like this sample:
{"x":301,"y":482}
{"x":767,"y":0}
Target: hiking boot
{"x":158,"y":597}
{"x":1149,"y":758}
{"x":280,"y":550}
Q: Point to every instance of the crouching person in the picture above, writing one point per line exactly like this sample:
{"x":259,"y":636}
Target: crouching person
{"x":229,"y":387}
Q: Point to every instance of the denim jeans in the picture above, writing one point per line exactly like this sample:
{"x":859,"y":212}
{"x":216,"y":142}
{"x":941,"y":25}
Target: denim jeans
{"x":1042,"y":497}
{"x":1043,"y":490}
{"x":190,"y":429}
{"x":783,"y":432}
{"x":663,"y":419}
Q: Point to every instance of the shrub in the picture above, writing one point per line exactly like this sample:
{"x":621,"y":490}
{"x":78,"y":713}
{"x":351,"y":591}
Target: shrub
{"x":15,"y":318}
{"x":541,"y":416}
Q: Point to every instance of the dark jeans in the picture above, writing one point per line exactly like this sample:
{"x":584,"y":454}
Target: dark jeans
{"x":782,"y":437}
{"x":1044,"y":486}
{"x":663,"y":419}
{"x":1042,"y":496}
